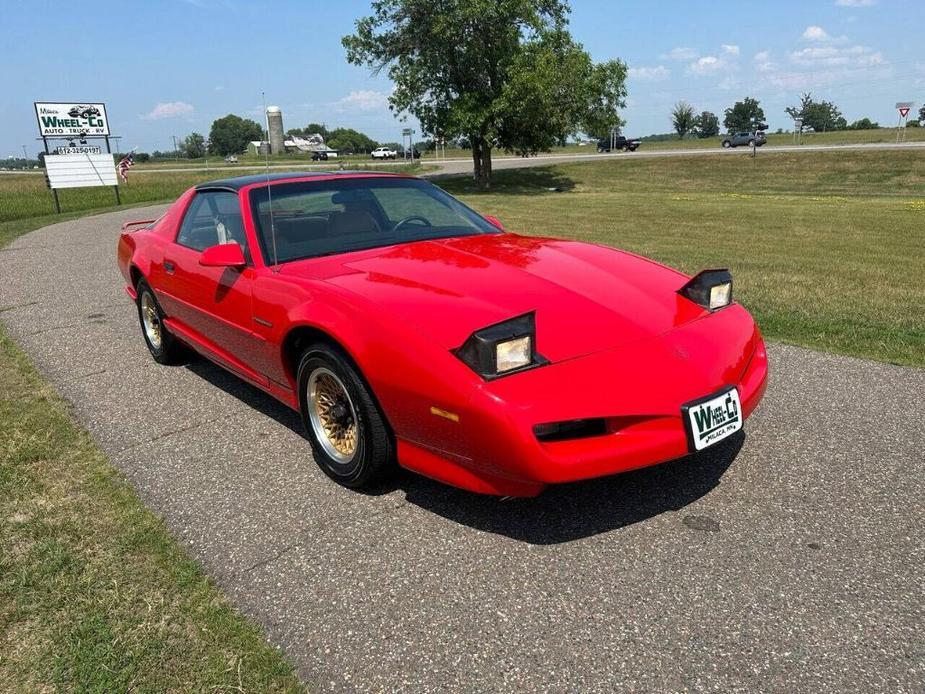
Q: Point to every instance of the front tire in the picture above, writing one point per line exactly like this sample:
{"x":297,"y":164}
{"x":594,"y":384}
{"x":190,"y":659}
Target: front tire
{"x":348,"y":434}
{"x":726,"y":144}
{"x":163,"y":346}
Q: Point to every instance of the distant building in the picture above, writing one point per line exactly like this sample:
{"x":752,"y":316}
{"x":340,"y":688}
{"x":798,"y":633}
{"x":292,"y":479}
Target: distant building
{"x":311,"y":143}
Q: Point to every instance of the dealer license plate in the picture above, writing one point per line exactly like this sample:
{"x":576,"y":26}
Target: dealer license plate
{"x":713,"y":418}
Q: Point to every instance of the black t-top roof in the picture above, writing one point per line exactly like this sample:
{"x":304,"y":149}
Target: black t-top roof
{"x":239,"y":182}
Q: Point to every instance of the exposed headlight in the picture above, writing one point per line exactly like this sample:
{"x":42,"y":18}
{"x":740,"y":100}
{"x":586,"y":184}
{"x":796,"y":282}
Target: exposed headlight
{"x":502,"y":348}
{"x":712,"y":289}
{"x":720,"y":295}
{"x":513,"y":354}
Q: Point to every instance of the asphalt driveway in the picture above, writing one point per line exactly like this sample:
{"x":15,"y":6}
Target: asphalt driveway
{"x":791,"y":558}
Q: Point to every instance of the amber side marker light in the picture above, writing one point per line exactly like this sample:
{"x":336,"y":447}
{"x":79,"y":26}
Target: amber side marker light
{"x":452,"y":416}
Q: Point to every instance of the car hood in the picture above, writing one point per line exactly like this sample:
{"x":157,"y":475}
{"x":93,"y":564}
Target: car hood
{"x":586,"y":297}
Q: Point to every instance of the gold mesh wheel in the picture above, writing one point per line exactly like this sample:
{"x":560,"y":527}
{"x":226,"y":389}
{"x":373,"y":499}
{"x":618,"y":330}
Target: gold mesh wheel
{"x":332,"y":415}
{"x":151,"y":320}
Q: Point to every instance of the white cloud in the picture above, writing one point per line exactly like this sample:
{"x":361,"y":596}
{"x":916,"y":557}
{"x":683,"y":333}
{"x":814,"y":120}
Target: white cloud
{"x":362,"y":100}
{"x":763,"y":62}
{"x":169,"y":109}
{"x":816,"y":33}
{"x":659,"y":72}
{"x":833,"y":56}
{"x":730,"y":49}
{"x":681,"y":53}
{"x":706,"y":65}
{"x":816,"y":67}
{"x":854,"y":3}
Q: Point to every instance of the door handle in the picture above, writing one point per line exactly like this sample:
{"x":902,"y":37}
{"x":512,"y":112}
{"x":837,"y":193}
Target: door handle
{"x":169,"y":267}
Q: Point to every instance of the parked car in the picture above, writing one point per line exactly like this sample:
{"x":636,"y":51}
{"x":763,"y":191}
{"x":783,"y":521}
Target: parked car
{"x":605,"y":144}
{"x":83,"y":111}
{"x":406,"y":329}
{"x":319,"y":156}
{"x":384,"y":153}
{"x":756,"y":137}
{"x":231,"y":159}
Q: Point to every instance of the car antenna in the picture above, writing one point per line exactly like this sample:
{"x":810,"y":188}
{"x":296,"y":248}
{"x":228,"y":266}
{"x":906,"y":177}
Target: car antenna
{"x":266,"y":153}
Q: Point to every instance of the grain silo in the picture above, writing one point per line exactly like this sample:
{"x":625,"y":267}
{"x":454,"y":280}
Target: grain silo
{"x":275,"y":128}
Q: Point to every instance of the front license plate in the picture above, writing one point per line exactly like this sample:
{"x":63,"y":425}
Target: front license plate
{"x":713,"y":418}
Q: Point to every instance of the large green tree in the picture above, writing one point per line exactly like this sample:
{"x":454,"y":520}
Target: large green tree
{"x":310,"y":129}
{"x":231,"y":134}
{"x":744,"y":115}
{"x":348,"y":139}
{"x":864,"y":124}
{"x":683,"y":119}
{"x":820,"y":116}
{"x":501,"y":73}
{"x":193,"y":146}
{"x":707,"y":125}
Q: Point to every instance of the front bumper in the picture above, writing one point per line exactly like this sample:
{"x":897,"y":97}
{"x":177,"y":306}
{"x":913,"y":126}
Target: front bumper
{"x":639,"y":389}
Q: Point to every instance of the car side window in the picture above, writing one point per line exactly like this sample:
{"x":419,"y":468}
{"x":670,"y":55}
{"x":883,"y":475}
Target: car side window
{"x":213,"y":218}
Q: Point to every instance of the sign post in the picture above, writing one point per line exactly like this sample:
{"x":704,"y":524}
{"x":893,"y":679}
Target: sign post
{"x":409,"y":133}
{"x":903,"y":107}
{"x":77,"y":164}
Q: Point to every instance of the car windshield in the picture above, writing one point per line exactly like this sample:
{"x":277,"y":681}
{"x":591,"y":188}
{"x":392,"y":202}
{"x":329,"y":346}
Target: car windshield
{"x":315,"y":218}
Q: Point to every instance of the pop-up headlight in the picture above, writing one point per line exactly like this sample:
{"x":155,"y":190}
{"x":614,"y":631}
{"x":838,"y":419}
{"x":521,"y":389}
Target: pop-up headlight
{"x":502,"y":348}
{"x":712,"y":289}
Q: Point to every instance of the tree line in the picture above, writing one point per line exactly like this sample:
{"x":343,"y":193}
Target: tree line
{"x":748,"y":115}
{"x":232,"y":134}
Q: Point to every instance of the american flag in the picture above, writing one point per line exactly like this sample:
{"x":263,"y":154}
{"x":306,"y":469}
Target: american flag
{"x":128,"y":161}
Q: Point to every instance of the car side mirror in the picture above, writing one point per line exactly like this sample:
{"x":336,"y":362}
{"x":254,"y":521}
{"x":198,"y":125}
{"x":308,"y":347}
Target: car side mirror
{"x":223,"y":255}
{"x":495,"y":222}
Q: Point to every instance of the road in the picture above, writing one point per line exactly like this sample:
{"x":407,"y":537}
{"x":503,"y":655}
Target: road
{"x":464,"y":165}
{"x":789,"y":559}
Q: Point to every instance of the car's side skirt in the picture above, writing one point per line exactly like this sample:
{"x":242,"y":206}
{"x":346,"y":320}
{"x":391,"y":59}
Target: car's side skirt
{"x":222,"y":358}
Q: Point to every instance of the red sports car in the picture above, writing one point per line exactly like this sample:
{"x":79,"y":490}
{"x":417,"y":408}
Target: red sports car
{"x":408,"y":329}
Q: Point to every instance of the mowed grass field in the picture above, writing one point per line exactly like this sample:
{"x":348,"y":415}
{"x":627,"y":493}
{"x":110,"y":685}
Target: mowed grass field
{"x":827,"y":250}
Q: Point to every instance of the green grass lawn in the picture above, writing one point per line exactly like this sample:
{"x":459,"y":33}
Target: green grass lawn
{"x":827,"y":250}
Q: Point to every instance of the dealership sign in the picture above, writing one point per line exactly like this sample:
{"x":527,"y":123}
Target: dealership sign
{"x":71,"y":120}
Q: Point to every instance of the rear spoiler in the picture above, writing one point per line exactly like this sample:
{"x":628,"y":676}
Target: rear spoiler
{"x":143,"y":222}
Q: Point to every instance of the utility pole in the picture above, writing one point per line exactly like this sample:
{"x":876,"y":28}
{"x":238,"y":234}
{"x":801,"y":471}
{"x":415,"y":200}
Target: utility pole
{"x":176,"y":152}
{"x":24,"y":155}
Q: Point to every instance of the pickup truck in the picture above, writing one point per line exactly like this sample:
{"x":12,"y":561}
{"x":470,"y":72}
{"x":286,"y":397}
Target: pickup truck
{"x":384,"y":153}
{"x":605,"y":144}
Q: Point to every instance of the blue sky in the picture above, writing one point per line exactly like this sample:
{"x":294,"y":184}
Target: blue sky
{"x":169,"y":67}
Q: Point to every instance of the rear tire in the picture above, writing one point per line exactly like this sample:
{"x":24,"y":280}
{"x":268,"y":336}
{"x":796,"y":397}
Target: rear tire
{"x":164,"y":347}
{"x":349,"y":436}
{"x":751,"y":143}
{"x":726,"y":144}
